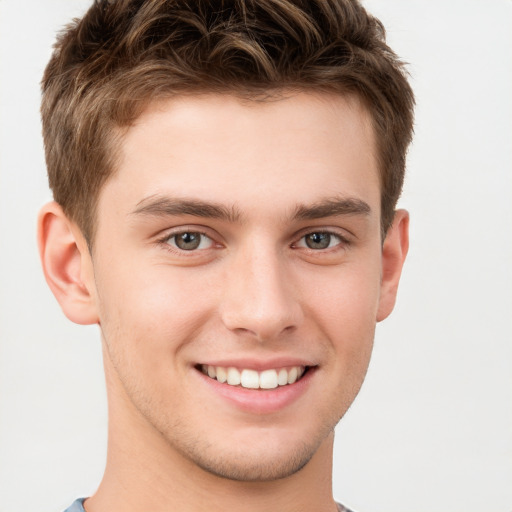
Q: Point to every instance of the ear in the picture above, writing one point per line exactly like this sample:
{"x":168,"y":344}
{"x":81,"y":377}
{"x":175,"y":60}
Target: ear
{"x":394,"y":251}
{"x":67,"y":264}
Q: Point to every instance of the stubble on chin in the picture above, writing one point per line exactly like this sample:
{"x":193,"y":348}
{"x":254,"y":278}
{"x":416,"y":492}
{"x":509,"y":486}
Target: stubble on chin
{"x":244,"y":463}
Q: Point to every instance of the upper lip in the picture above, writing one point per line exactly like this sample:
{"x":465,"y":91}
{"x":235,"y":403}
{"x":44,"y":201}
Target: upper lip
{"x":259,"y":364}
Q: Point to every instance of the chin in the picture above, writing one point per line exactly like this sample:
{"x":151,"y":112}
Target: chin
{"x":246,"y":466}
{"x":255,"y":454}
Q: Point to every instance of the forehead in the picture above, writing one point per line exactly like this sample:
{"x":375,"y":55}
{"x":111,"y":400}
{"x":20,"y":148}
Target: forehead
{"x":297,"y":148}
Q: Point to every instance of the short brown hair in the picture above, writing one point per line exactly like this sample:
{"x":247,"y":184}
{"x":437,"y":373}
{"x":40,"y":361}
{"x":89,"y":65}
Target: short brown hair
{"x":123,"y":54}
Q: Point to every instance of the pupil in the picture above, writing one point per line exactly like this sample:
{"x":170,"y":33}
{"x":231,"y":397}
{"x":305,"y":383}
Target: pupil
{"x":318,"y":240}
{"x":188,"y":241}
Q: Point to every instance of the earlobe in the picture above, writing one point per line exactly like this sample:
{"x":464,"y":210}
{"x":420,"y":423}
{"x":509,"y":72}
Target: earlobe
{"x":67,"y":264}
{"x":394,"y":251}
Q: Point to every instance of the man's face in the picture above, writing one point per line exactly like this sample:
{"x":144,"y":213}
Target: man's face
{"x":240,"y":240}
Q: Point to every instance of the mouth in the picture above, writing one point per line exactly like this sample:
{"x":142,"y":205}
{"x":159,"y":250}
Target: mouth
{"x":252,"y":379}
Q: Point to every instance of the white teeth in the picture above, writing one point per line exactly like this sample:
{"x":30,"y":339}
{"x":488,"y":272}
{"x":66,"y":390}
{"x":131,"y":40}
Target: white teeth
{"x":221,"y":374}
{"x":268,"y":379}
{"x":292,"y":375}
{"x":282,"y":378}
{"x":252,"y":379}
{"x":233,"y":377}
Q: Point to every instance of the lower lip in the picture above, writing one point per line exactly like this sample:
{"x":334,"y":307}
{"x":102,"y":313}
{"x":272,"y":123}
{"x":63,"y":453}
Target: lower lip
{"x":260,"y":401}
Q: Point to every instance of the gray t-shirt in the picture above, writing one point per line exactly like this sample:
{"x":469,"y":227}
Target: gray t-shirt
{"x":78,"y":506}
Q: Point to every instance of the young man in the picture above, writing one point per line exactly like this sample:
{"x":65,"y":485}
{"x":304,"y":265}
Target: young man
{"x":225,"y":178}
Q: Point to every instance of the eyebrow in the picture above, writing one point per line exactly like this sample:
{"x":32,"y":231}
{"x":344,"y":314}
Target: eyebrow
{"x":160,"y":206}
{"x":166,"y":206}
{"x":332,"y":207}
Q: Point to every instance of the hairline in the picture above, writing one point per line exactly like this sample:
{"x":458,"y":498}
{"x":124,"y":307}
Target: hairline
{"x":247,"y":96}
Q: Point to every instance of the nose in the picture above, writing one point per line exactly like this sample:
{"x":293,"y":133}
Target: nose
{"x":260,"y":299}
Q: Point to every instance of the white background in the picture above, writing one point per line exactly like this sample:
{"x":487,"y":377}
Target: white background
{"x":432,"y":427}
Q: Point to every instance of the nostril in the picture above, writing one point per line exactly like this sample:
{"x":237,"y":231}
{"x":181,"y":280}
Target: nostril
{"x":261,"y":309}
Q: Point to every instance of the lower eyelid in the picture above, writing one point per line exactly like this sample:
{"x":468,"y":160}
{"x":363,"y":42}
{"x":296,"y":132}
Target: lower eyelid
{"x":211,"y":243}
{"x":168,"y":241}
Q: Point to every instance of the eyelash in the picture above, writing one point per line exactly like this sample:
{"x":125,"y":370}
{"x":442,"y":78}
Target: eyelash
{"x":165,"y":241}
{"x":343,"y":242}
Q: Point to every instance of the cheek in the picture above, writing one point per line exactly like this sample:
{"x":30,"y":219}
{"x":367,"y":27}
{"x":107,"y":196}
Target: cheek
{"x":161,"y":308}
{"x":146,"y":321}
{"x":348,"y":300}
{"x":345,"y":308}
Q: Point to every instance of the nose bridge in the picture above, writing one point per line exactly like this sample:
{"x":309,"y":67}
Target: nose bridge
{"x":259,"y":299}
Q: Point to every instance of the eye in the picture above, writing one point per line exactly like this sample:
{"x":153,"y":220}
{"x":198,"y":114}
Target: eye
{"x":190,"y":241}
{"x":319,"y":240}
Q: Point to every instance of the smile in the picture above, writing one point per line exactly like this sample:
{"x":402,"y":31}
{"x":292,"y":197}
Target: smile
{"x":252,"y":379}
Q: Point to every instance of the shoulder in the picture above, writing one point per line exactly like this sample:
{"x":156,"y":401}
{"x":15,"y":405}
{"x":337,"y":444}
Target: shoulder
{"x":77,"y":506}
{"x":341,"y":508}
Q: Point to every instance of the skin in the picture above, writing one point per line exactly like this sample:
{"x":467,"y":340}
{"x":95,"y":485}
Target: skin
{"x":253,"y":292}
